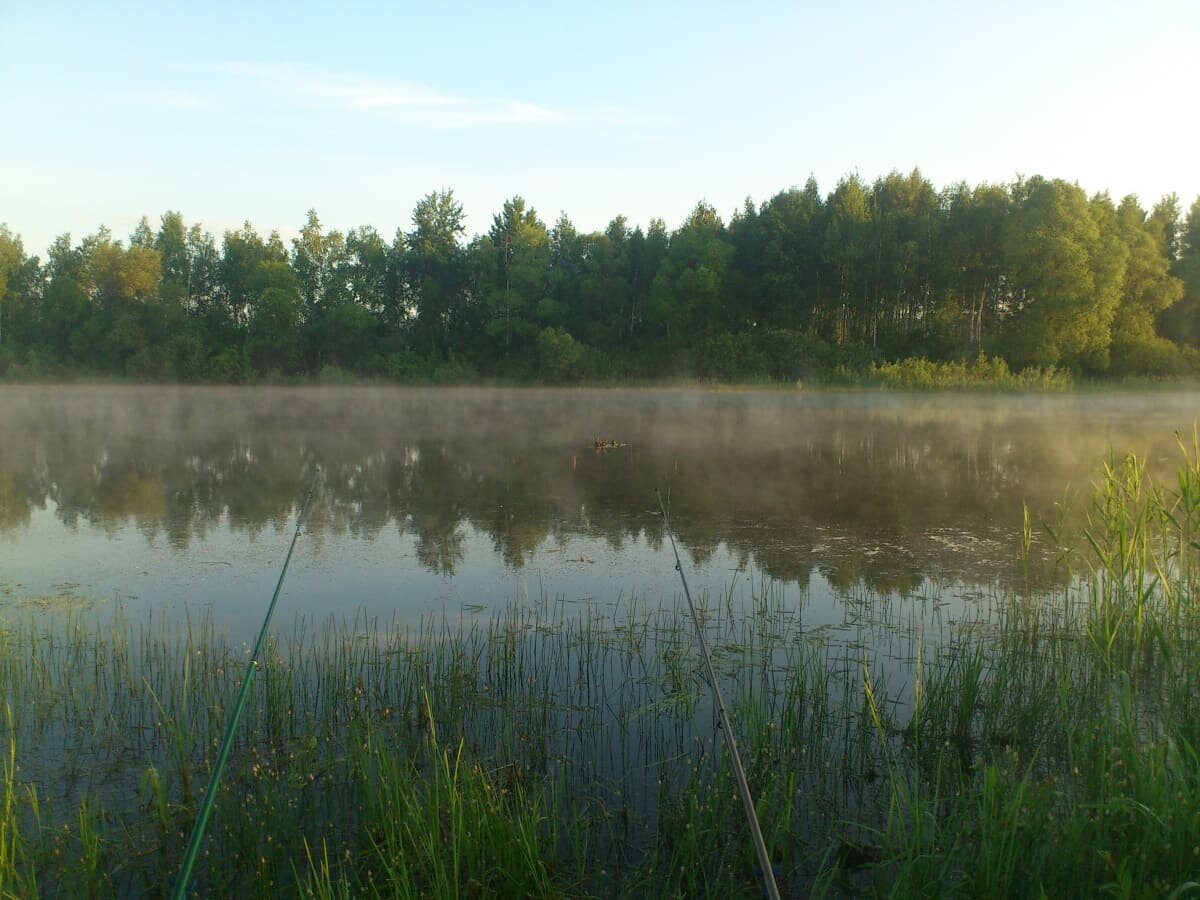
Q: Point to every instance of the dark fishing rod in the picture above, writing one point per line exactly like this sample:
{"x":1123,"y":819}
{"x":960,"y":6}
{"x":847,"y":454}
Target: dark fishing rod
{"x":210,"y":794}
{"x":760,"y":846}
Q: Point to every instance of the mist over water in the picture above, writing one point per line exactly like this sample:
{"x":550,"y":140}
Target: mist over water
{"x":432,"y":500}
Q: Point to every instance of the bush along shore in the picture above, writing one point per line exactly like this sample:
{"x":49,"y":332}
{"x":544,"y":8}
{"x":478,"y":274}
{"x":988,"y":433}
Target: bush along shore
{"x":1047,"y":745}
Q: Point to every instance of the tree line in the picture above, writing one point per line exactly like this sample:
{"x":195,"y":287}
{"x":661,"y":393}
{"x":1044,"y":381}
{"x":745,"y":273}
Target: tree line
{"x":1035,"y":273}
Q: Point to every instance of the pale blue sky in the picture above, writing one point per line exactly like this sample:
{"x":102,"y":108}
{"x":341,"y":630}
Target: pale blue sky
{"x":230,"y":112}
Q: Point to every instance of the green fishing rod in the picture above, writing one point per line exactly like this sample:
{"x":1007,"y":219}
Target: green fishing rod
{"x":760,"y":846}
{"x":206,"y":806}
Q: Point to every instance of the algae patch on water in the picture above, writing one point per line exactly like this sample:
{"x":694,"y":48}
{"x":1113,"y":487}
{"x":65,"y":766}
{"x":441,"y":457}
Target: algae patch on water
{"x":62,"y":598}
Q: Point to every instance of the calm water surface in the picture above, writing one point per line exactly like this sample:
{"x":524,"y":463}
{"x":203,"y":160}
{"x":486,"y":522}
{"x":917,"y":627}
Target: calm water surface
{"x":460,"y":501}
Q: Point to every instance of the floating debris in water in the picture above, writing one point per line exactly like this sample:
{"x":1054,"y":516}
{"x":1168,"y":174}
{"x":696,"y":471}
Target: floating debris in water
{"x":601,"y":444}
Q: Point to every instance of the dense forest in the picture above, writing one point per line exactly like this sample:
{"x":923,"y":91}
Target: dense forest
{"x":1034,"y":274}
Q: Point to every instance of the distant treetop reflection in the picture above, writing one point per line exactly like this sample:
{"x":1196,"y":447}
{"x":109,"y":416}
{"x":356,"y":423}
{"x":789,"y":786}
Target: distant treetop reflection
{"x":863,"y":489}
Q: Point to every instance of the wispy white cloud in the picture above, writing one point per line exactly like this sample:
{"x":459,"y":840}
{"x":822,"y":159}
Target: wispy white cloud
{"x":166,"y":99}
{"x":402,"y":101}
{"x":353,"y":91}
{"x":465,"y":114}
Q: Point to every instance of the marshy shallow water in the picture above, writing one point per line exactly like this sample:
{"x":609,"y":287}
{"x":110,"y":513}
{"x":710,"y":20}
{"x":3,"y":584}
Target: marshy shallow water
{"x":476,"y":574}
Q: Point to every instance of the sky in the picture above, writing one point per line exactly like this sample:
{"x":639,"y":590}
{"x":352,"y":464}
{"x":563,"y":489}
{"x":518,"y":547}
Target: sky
{"x":230,"y":112}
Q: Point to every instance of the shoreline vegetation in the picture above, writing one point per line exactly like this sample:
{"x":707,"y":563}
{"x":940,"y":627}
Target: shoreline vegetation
{"x":894,"y":282}
{"x":1049,"y":745}
{"x":909,"y":374}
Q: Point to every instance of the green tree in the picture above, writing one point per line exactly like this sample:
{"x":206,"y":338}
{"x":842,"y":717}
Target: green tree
{"x":435,"y":271}
{"x":976,"y":268}
{"x":320,"y":261}
{"x":171,"y":242}
{"x":121,"y":287}
{"x":520,"y":246}
{"x":323,"y":268}
{"x":207,"y":300}
{"x":371,"y":275}
{"x":901,"y":269}
{"x":562,"y":303}
{"x":1165,"y":222}
{"x":122,"y":277}
{"x":559,"y":354}
{"x":847,"y":243}
{"x":1148,"y":290}
{"x":143,"y":235}
{"x":69,"y":325}
{"x":602,"y":310}
{"x":242,"y":252}
{"x":1067,"y":263}
{"x":1181,"y":322}
{"x":274,"y":327}
{"x":12,"y":257}
{"x":63,"y":259}
{"x":780,"y":258}
{"x":22,"y":282}
{"x":646,"y":254}
{"x":686,"y":303}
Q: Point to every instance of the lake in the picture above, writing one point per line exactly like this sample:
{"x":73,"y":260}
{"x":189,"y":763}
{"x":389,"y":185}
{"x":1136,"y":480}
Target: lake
{"x":853,"y":553}
{"x":463,"y":500}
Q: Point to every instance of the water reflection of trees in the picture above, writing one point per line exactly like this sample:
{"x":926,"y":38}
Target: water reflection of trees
{"x":860,"y":494}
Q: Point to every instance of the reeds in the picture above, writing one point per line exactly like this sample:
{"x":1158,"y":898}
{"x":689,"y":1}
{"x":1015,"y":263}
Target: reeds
{"x":1046,"y":745}
{"x":918,"y":374}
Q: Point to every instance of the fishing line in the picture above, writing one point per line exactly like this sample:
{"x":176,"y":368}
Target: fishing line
{"x":760,"y":846}
{"x":206,"y":806}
